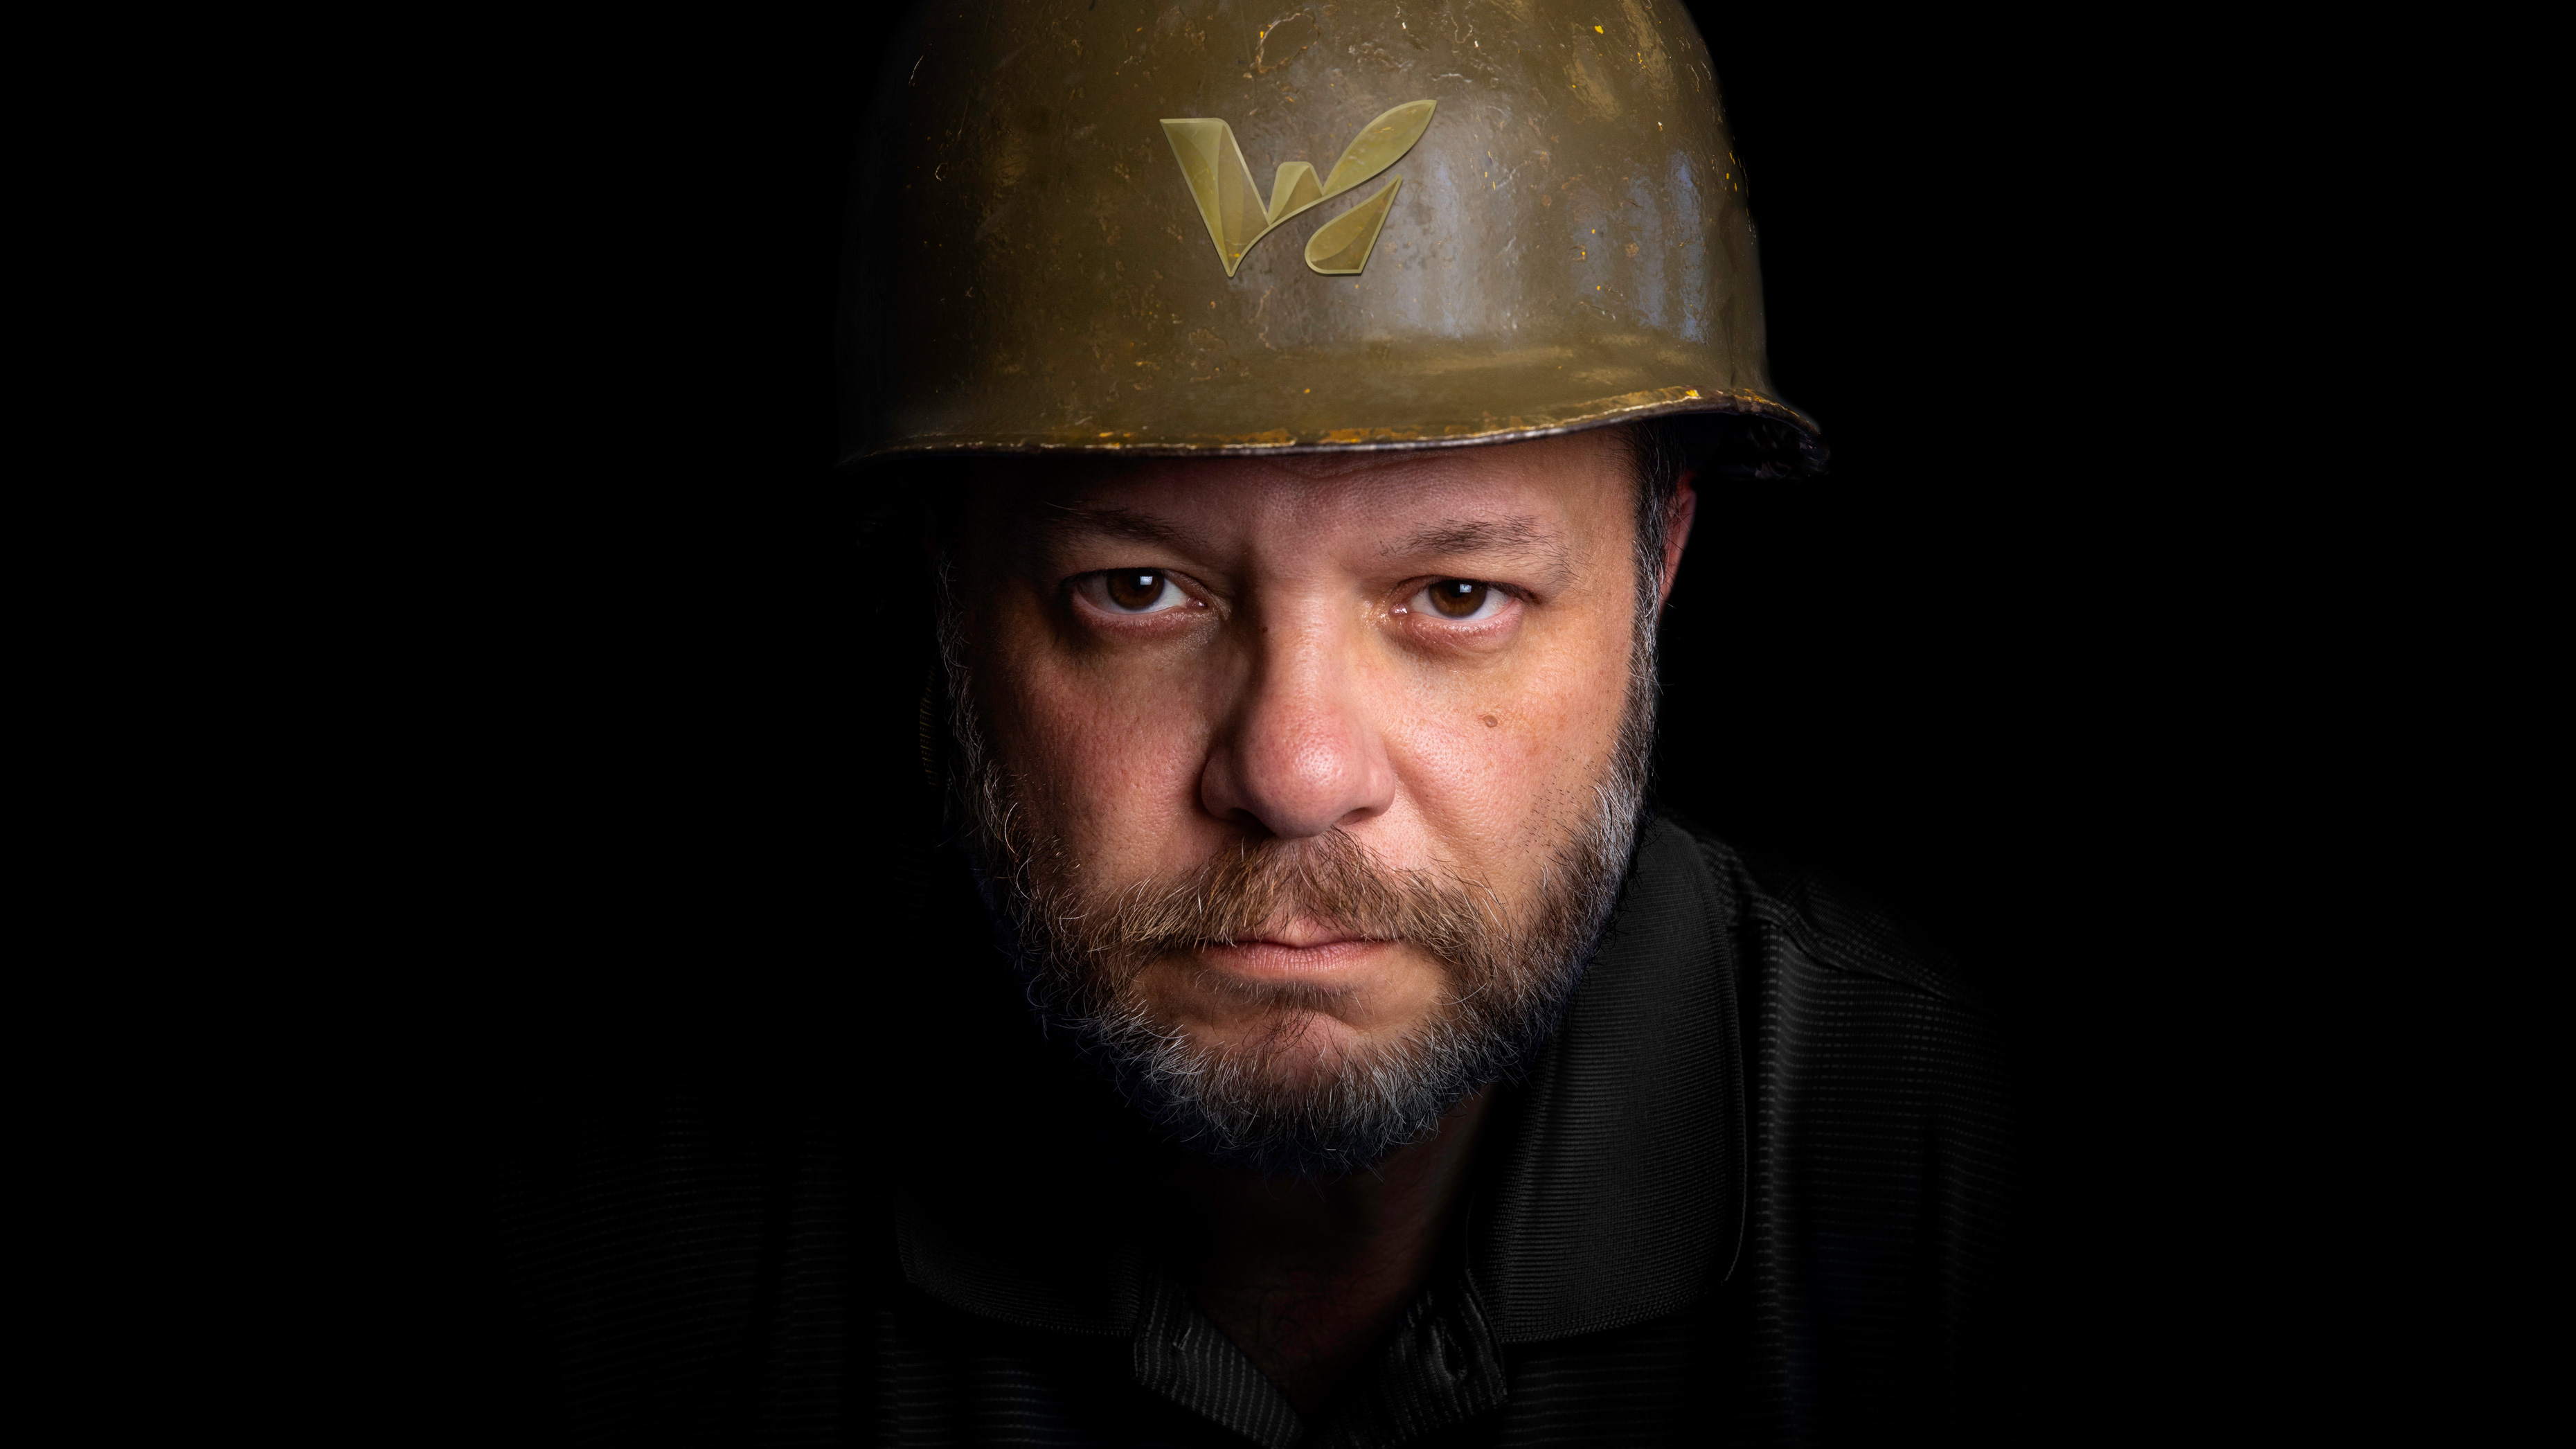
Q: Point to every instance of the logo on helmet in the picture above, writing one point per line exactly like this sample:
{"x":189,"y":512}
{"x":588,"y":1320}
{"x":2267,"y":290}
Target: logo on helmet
{"x":1237,"y":217}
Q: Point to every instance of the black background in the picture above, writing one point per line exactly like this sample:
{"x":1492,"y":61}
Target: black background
{"x":662,"y":711}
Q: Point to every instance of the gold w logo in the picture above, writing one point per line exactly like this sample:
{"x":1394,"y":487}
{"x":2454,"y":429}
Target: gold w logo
{"x":1236,"y":217}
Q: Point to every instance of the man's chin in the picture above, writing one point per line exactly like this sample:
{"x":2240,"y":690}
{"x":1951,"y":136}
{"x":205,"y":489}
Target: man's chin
{"x":1293,"y":1091}
{"x":1289,"y":1077}
{"x":1289,"y":1047}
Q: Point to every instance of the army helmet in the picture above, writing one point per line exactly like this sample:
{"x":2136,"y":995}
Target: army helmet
{"x":1483,"y":220}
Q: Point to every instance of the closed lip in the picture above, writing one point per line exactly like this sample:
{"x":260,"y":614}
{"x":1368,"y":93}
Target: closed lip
{"x":1297,"y":954}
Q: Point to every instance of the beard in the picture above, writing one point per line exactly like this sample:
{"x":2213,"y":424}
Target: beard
{"x":1278,"y":1102}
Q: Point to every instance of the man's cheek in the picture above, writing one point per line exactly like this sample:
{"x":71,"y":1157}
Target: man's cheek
{"x":1469,"y":776}
{"x":1486,"y":759}
{"x":1119,"y":764}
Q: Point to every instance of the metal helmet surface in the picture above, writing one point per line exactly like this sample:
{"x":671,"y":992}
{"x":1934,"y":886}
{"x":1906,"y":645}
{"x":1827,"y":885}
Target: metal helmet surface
{"x":1230,"y":227}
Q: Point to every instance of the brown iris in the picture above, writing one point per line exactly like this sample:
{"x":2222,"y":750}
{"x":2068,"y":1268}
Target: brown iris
{"x":1458,"y":598}
{"x":1135,"y":588}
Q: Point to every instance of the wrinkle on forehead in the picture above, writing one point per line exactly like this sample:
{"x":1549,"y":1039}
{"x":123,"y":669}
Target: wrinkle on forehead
{"x":1310,"y":486}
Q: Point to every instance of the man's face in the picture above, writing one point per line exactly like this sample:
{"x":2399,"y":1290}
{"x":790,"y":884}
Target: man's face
{"x":1372,"y":708}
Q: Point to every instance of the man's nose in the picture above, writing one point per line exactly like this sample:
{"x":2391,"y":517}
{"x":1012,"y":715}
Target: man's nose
{"x":1303,"y":753}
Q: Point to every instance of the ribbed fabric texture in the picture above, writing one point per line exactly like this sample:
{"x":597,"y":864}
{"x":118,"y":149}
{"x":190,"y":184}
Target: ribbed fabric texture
{"x":1880,"y":1175}
{"x":1619,"y":1194}
{"x":1759,"y":1076}
{"x":1186,"y":1358}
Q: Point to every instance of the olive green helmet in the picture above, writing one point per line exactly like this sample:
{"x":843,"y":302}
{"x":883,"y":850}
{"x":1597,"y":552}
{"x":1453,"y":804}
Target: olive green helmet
{"x":1484,"y":220}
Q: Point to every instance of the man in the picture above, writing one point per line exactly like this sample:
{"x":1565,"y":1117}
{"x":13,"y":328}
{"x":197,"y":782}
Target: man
{"x":1309,"y":1035}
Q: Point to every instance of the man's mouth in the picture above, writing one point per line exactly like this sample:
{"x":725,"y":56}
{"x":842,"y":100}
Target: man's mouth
{"x":1299,"y":950}
{"x":1303,"y":934}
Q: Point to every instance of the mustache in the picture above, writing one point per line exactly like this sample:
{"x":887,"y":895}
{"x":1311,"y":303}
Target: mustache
{"x":1258,"y":886}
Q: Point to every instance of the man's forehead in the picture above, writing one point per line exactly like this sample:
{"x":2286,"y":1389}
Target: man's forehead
{"x":1455,"y":497}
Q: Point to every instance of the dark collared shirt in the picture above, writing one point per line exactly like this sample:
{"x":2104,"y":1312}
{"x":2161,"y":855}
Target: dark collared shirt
{"x":1754,"y":1191}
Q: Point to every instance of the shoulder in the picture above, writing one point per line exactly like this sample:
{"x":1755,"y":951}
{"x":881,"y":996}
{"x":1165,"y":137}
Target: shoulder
{"x":1810,"y":921}
{"x":1880,"y":1142}
{"x":1859,"y":1036}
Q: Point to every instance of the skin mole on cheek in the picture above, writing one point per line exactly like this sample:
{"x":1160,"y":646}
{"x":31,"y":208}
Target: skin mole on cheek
{"x":1490,"y":721}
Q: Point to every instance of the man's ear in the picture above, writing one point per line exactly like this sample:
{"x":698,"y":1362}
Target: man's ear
{"x":1677,"y":526}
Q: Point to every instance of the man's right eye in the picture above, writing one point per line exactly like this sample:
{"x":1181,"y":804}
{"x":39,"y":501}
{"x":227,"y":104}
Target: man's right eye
{"x":1134,"y":591}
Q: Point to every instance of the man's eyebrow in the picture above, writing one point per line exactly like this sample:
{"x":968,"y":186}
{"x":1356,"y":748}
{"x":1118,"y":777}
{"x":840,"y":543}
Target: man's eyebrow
{"x":1519,"y":534}
{"x":1079,"y":516}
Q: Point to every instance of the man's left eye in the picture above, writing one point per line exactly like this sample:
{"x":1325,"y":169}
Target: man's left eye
{"x":1461,"y":601}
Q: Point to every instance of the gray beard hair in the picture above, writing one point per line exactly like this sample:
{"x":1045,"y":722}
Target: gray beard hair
{"x":1250,"y":1105}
